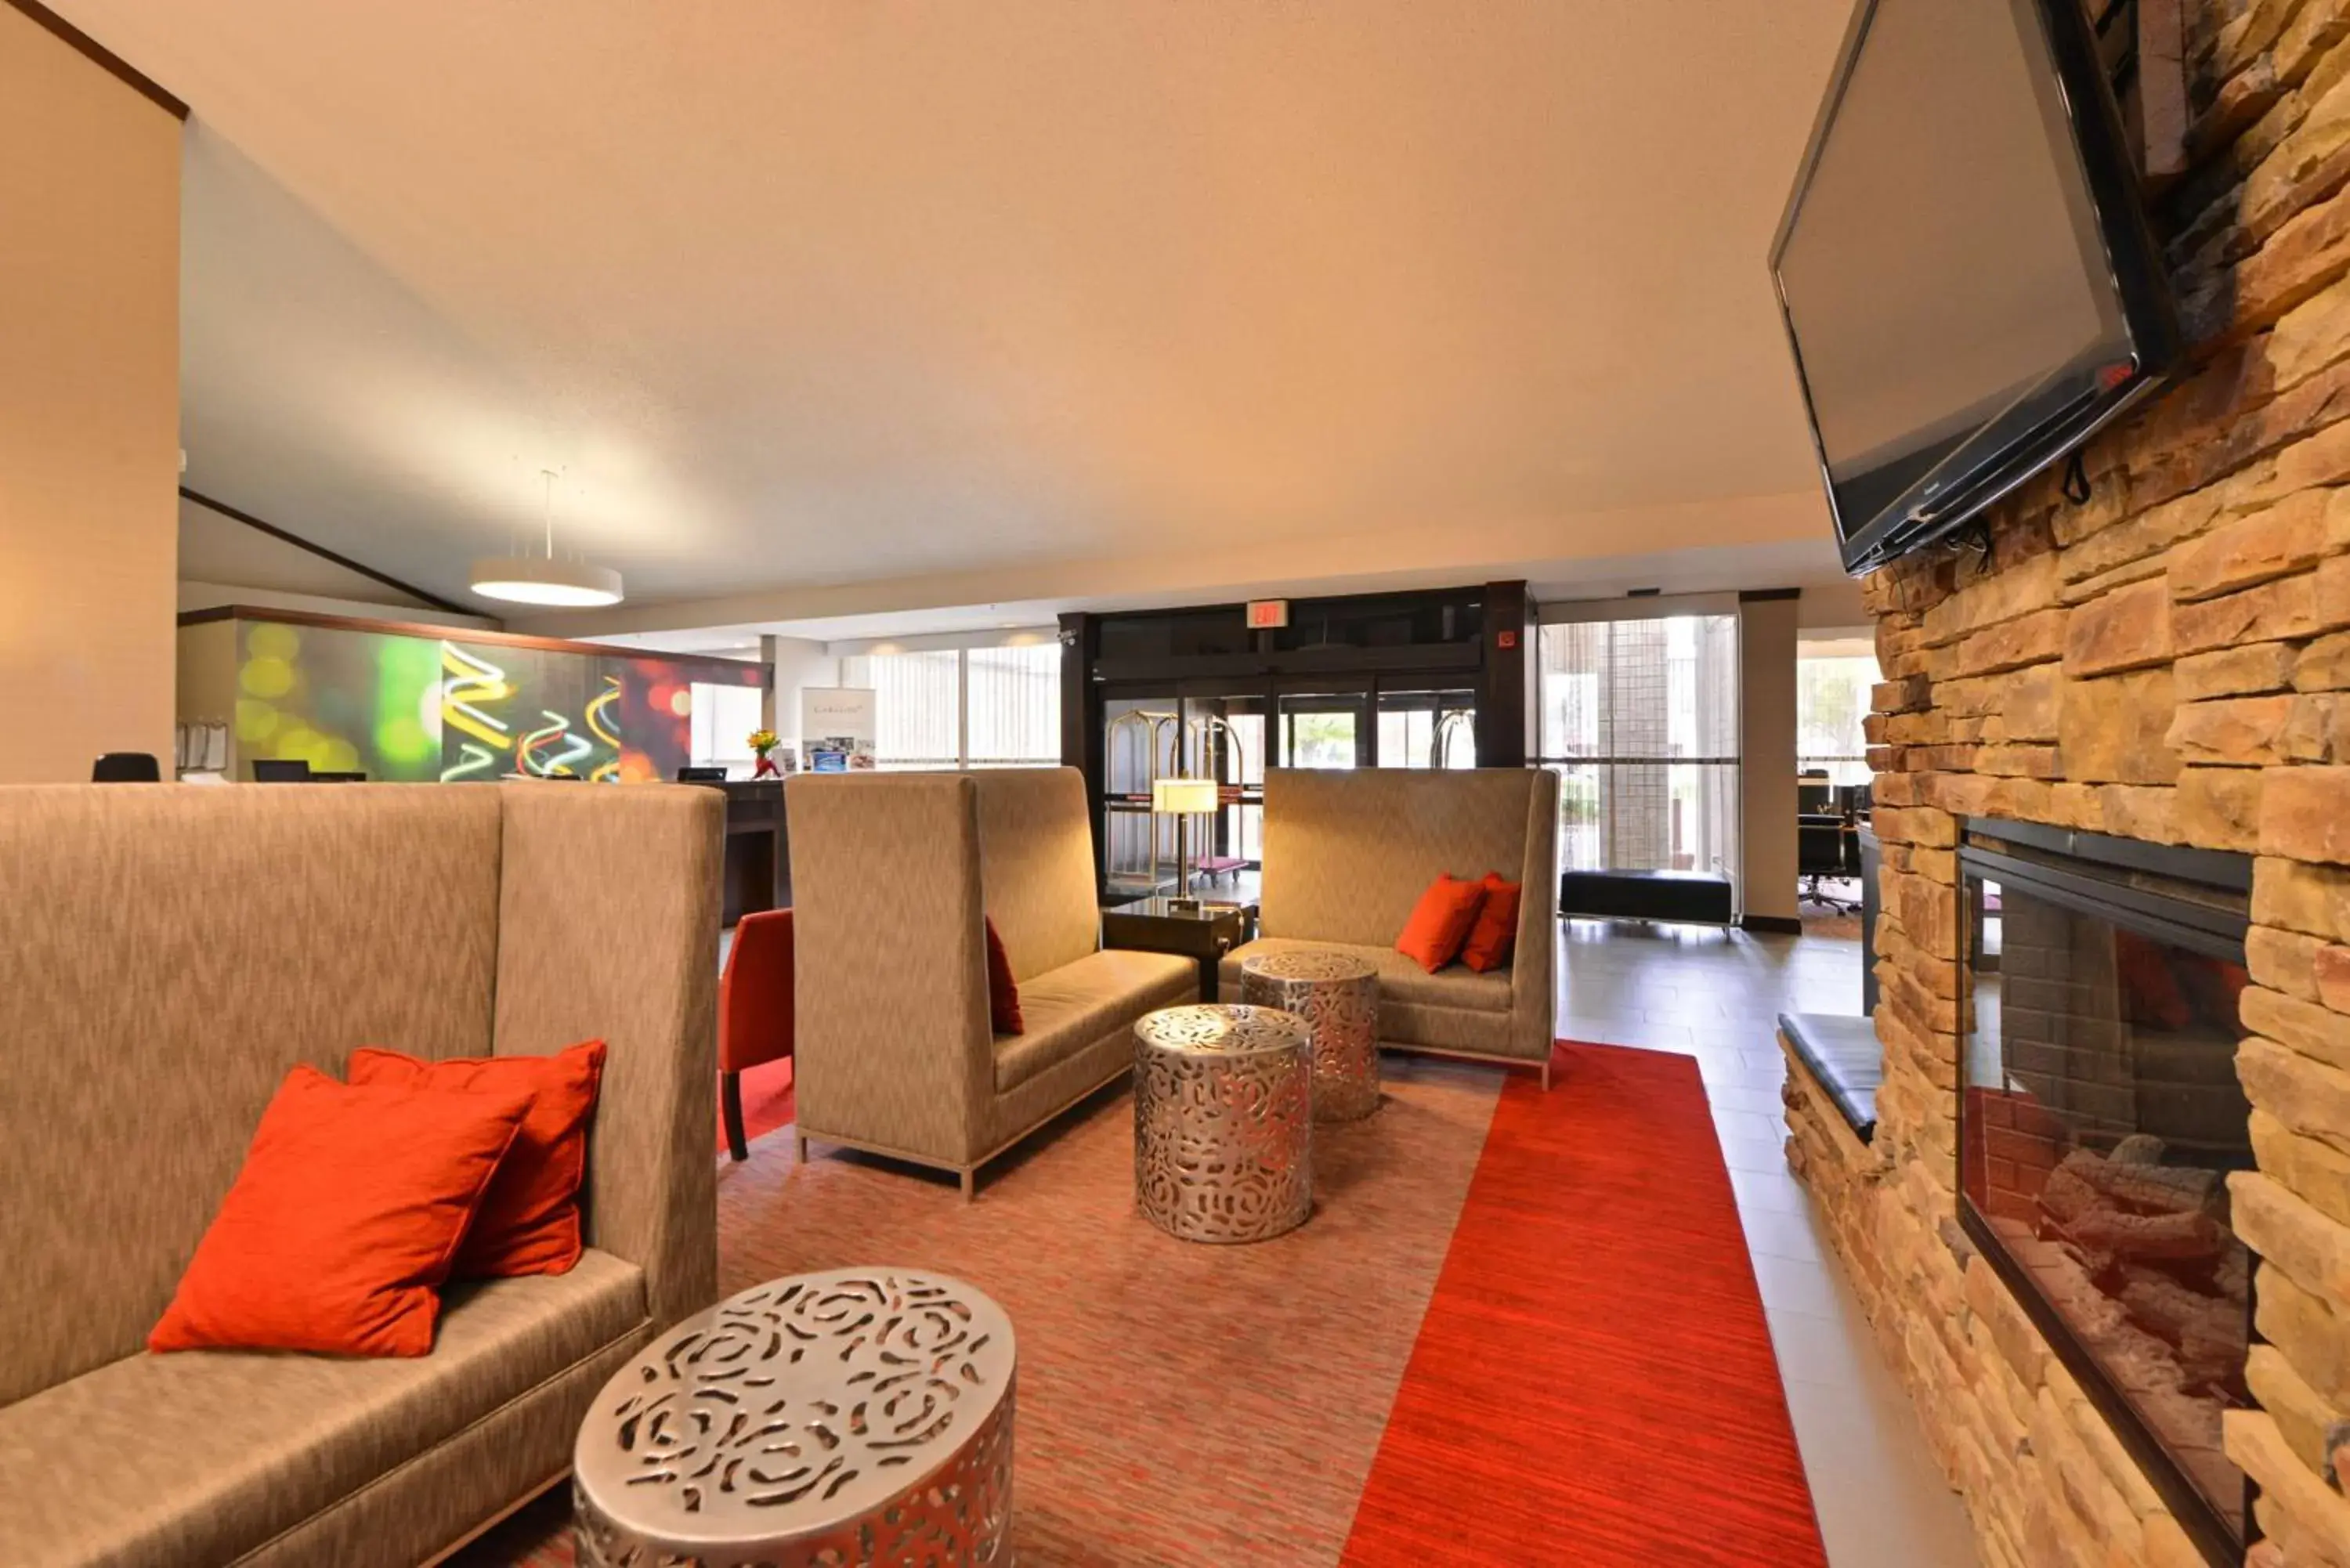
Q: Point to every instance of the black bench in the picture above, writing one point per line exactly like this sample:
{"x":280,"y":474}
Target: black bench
{"x":1694,"y":897}
{"x":1843,"y":1057}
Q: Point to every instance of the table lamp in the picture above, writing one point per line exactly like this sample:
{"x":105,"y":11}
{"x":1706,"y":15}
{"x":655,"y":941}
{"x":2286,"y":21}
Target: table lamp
{"x":1183,"y":799}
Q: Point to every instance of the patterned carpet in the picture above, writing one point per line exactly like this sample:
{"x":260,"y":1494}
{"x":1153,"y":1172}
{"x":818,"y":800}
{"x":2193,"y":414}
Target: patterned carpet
{"x":1591,"y":1367}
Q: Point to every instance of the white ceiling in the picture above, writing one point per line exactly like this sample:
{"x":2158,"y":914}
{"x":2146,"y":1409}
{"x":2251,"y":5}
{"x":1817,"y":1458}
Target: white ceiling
{"x":922,"y":301}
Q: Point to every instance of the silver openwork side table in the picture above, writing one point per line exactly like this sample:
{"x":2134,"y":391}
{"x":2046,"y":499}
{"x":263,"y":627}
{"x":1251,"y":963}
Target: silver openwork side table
{"x":1338,"y":997}
{"x":818,"y":1421}
{"x":1224,"y":1122}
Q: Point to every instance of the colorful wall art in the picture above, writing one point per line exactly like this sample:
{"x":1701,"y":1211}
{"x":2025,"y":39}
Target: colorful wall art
{"x":398,"y":704}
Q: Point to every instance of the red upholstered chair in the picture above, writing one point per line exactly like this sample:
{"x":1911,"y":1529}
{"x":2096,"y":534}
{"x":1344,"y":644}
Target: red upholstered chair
{"x":755,"y":1009}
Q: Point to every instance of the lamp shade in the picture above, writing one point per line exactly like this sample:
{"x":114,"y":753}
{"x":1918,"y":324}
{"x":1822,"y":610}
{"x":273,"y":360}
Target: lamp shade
{"x":536,"y":580}
{"x":1182,"y":797}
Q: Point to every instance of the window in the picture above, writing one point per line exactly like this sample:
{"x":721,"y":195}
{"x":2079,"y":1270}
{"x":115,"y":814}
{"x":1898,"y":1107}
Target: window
{"x":917,"y":707}
{"x":963,"y":708}
{"x":1639,"y":719}
{"x":1013,"y":698}
{"x":1831,"y":697}
{"x":724,"y":717}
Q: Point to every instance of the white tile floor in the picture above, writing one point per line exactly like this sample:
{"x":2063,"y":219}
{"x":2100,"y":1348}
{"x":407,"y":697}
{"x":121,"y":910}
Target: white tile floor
{"x":1713,"y":995}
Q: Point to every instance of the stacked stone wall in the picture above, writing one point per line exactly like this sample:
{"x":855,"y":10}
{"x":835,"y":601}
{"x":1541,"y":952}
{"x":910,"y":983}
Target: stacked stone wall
{"x":2170,"y":662}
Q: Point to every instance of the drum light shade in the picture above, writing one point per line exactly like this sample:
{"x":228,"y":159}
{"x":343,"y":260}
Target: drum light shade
{"x":536,"y":580}
{"x":1182,"y":797}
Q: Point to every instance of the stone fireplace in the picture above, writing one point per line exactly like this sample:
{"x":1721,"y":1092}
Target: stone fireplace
{"x":2166,"y":663}
{"x":2099,"y":1117}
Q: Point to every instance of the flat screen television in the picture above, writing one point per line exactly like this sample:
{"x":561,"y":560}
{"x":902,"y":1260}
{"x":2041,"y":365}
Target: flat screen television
{"x":1964,"y":268}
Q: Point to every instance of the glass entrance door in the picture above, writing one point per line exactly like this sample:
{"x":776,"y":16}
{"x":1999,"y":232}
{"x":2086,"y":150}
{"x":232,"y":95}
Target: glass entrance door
{"x":1427,"y":728}
{"x":1325,"y":728}
{"x":1228,"y":737}
{"x":1142,"y":741}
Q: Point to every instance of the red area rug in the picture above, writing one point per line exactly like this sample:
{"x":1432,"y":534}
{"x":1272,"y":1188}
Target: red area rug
{"x":767,"y":1101}
{"x":1594,"y":1381}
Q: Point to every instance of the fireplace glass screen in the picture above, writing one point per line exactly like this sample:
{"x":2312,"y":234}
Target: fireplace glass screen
{"x":2099,"y":1116}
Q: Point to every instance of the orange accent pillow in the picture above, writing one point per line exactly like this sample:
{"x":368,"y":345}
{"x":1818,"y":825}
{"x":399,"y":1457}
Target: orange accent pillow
{"x":1494,"y":937}
{"x":1003,"y":991}
{"x":343,"y":1223}
{"x":529,"y":1222}
{"x":1439,"y":922}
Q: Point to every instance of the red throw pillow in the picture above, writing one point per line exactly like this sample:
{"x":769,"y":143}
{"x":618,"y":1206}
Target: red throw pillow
{"x":1495,"y":934}
{"x":1003,"y":991}
{"x":529,"y":1222}
{"x":344,"y":1221}
{"x":1439,"y":922}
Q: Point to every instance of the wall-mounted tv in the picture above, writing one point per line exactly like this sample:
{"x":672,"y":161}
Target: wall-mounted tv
{"x":1964,"y":268}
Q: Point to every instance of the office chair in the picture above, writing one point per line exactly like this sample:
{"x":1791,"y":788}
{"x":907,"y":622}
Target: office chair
{"x":1819,"y":855}
{"x":125,"y":767}
{"x":1812,"y":793}
{"x":280,"y":770}
{"x":702,"y":775}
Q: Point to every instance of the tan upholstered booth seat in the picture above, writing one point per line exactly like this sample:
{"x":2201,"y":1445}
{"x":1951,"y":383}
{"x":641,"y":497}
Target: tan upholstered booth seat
{"x":166,"y":955}
{"x":159,"y":1461}
{"x":1088,"y":1010}
{"x":896,"y":879}
{"x":1400,"y":979}
{"x":1455,"y":1009}
{"x":1348,"y":854}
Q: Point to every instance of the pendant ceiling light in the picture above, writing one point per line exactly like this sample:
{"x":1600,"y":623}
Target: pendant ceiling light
{"x":543,"y":580}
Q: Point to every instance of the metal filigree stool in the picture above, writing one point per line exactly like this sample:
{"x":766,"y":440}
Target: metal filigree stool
{"x":1338,"y":997}
{"x":1224,"y":1122}
{"x":822,"y":1420}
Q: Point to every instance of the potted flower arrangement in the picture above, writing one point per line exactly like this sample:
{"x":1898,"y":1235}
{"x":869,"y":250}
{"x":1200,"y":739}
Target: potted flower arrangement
{"x":761,"y":742}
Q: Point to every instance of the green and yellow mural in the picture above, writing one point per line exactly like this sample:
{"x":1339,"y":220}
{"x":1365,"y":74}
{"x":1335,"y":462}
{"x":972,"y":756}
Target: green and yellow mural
{"x":395,"y":705}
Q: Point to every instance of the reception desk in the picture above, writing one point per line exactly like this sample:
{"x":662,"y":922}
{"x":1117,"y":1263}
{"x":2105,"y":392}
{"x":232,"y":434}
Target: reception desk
{"x":758,"y":852}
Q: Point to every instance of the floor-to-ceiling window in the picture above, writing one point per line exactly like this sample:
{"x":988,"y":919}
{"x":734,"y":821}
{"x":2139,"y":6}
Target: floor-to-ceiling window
{"x":988,"y":707}
{"x":1832,"y":681}
{"x":1639,"y":719}
{"x":724,"y":717}
{"x":1012,"y":699}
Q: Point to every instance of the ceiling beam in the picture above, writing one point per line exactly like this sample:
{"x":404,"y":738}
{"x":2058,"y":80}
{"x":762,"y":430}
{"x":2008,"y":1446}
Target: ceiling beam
{"x":101,"y":57}
{"x":299,"y":542}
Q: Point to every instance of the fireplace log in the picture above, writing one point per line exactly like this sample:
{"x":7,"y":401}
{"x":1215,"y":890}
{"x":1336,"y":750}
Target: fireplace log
{"x":2176,"y":1238}
{"x":2207,"y":1330}
{"x":2158,"y":1188}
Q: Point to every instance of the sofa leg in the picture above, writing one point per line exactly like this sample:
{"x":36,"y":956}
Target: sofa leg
{"x":970,"y":1184}
{"x":730,"y":1104}
{"x":1545,"y":1072}
{"x":801,"y":1152}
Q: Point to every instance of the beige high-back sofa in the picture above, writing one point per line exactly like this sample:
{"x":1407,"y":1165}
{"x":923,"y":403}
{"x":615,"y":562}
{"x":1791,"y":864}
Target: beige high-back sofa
{"x":1346,"y":856}
{"x":892,"y":875}
{"x":166,"y":953}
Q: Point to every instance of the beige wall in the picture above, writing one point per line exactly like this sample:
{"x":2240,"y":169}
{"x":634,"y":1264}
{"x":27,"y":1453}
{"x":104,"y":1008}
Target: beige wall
{"x":89,"y":366}
{"x":796,"y":662}
{"x":1767,"y":677}
{"x":206,"y":681}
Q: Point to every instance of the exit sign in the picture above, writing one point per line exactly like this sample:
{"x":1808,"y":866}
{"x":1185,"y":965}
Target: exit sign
{"x":1266,"y":614}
